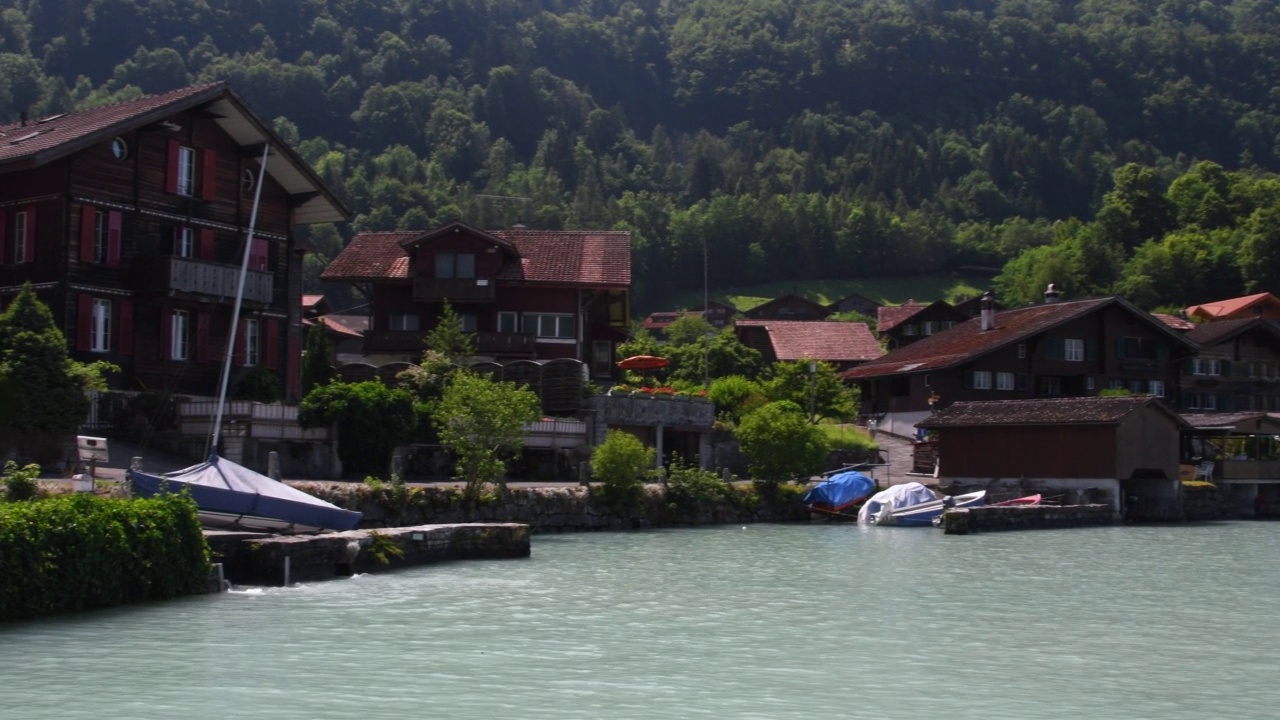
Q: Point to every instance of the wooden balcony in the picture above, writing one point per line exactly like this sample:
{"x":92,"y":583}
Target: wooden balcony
{"x":177,"y":274}
{"x":486,"y":343}
{"x":455,"y":290}
{"x":394,"y":341}
{"x":498,"y":343}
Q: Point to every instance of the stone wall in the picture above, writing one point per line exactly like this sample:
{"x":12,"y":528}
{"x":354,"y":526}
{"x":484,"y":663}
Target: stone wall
{"x":964,"y":521}
{"x":1206,"y":502}
{"x":250,"y":559}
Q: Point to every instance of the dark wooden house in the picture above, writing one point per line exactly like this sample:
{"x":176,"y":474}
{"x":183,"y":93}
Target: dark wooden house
{"x":523,"y":294}
{"x":1237,"y":368}
{"x":901,"y":325}
{"x":1059,"y":349}
{"x":131,"y":223}
{"x":854,"y":302}
{"x":789,"y":307}
{"x":1122,"y":450}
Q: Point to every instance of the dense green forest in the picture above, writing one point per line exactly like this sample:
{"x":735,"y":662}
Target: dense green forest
{"x":1105,"y":145}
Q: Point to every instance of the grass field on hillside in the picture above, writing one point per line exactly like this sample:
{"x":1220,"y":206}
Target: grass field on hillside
{"x":888,"y":291}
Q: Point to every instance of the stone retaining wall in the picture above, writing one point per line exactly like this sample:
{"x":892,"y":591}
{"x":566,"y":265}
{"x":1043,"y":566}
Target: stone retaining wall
{"x":1206,"y":502}
{"x":253,"y":559}
{"x":964,"y":521}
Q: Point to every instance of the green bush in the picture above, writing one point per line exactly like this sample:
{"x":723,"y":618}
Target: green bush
{"x":690,"y":488}
{"x":19,"y":483}
{"x":372,"y":420}
{"x":621,"y":463}
{"x":736,"y":396}
{"x":77,"y":552}
{"x":259,"y":385}
{"x":780,"y":444}
{"x":846,"y":437}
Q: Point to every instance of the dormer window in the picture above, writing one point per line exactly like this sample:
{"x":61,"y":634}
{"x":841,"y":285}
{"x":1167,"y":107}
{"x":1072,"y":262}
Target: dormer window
{"x":455,"y":265}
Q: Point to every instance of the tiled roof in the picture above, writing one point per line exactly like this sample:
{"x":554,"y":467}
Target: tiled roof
{"x":350,"y":325}
{"x":1243,"y":421}
{"x":968,"y":340}
{"x":71,"y":131}
{"x":1221,"y":308}
{"x":576,"y":257}
{"x":659,"y":320}
{"x":1212,"y":333}
{"x":1174,"y":321}
{"x":890,"y":316}
{"x":819,"y":339}
{"x":311,"y":300}
{"x":786,"y":299}
{"x":1045,"y":411}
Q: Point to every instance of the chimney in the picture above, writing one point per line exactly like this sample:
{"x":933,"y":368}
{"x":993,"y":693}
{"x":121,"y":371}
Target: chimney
{"x":987,"y":311}
{"x":1051,"y":294}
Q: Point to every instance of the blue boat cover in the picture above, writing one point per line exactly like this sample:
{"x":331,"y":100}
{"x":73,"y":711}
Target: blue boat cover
{"x":840,"y":491}
{"x":229,"y":496}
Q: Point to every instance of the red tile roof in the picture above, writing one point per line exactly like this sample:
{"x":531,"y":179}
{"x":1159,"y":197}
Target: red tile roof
{"x":819,"y":340}
{"x":1042,"y":411}
{"x":1174,"y":321}
{"x":890,"y":316}
{"x":348,"y":325}
{"x":562,"y":257}
{"x":311,"y":300}
{"x":1225,"y":308}
{"x":968,"y":340}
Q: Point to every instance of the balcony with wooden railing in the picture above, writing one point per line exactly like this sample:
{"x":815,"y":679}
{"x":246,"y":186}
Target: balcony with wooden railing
{"x":455,"y":290}
{"x":504,"y":343}
{"x":186,"y":275}
{"x":394,"y":341}
{"x":485,"y":343}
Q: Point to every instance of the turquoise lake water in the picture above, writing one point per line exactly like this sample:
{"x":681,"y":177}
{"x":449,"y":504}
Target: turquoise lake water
{"x":764,"y":621}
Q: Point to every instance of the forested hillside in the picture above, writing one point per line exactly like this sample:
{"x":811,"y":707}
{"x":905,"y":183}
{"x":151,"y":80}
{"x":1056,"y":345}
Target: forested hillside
{"x":1106,"y":145}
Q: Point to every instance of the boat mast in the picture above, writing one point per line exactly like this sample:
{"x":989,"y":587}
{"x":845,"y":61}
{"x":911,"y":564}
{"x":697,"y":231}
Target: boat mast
{"x":235,"y":312}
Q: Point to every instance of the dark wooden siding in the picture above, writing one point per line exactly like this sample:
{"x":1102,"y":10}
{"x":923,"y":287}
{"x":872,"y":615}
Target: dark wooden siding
{"x":1065,"y":451}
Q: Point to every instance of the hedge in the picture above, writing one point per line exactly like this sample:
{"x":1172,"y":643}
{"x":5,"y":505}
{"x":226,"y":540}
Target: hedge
{"x":77,"y":552}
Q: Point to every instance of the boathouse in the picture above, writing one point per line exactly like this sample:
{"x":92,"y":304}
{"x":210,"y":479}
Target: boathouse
{"x":1118,"y":450}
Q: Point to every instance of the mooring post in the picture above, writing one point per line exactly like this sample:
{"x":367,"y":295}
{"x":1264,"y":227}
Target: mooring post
{"x":273,"y":465}
{"x":287,"y":569}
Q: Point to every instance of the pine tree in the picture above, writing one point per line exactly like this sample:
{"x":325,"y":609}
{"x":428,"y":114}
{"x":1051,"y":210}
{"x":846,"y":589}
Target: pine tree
{"x":448,"y":338}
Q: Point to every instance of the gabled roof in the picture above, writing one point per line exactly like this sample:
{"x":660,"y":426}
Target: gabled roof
{"x":1174,"y":321}
{"x":785,"y":299}
{"x":553,"y":257}
{"x":819,"y":339}
{"x":968,"y":340}
{"x":1244,"y":422}
{"x":1211,"y":333}
{"x":1043,"y":411}
{"x":661,"y":319}
{"x":1231,"y":306}
{"x":854,"y":296}
{"x":891,"y":316}
{"x":346,"y":325}
{"x":42,"y":141}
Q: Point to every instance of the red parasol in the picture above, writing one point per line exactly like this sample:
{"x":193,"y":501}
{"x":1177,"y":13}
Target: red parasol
{"x":643,"y":362}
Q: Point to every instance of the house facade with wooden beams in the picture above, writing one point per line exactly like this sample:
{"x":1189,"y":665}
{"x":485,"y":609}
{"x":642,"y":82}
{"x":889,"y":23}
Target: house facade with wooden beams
{"x":130,"y":221}
{"x":1058,"y":349}
{"x":522,"y":294}
{"x":1237,"y":368}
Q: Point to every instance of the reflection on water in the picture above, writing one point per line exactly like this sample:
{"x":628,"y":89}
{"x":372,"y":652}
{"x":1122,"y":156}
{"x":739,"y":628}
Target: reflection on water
{"x":734,"y":622}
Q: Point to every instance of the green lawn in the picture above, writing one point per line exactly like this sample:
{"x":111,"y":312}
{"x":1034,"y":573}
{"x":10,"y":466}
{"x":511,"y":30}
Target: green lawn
{"x":889,"y":291}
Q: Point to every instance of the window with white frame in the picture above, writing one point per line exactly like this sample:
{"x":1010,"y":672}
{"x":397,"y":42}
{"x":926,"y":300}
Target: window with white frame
{"x":252,"y":335}
{"x":186,"y":171}
{"x":404,"y":321}
{"x":100,"y":237}
{"x":1210,"y":402}
{"x":909,"y":329}
{"x":546,"y":325}
{"x":928,"y":327}
{"x":1089,"y":384}
{"x":508,"y":322}
{"x":1192,"y":401}
{"x":470,"y":321}
{"x":100,"y":326}
{"x":179,"y":344}
{"x":184,"y":241}
{"x":1022,"y":350}
{"x":1004,"y":381}
{"x":1205,"y":366}
{"x":1156,"y":387}
{"x":981,"y":379}
{"x":20,"y":237}
{"x":1073,"y":349}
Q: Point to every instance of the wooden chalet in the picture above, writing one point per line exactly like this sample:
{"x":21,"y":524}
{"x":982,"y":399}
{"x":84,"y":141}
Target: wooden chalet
{"x":1259,"y":305}
{"x":854,"y":302}
{"x":789,"y":307}
{"x":1119,"y":450}
{"x":130,"y":221}
{"x":843,"y":344}
{"x":901,"y":325}
{"x":1237,"y":368}
{"x":1058,"y":349}
{"x":524,"y":294}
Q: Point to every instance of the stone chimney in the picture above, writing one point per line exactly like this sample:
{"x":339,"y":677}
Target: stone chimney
{"x":1051,"y":294}
{"x":987,"y":311}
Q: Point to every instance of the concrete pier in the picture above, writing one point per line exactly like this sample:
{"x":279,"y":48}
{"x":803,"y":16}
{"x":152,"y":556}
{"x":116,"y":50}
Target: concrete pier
{"x":275,"y":560}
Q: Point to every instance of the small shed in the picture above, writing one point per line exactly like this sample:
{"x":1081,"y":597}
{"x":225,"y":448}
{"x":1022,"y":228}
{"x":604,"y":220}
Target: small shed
{"x":1121,"y":450}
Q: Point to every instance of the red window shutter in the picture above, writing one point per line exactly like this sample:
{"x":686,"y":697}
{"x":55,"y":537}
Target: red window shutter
{"x":202,"y":336}
{"x":171,"y":172}
{"x":209,"y":179}
{"x":88,"y":218}
{"x":4,"y":229}
{"x":124,"y":343}
{"x":84,"y":323}
{"x":113,"y":238}
{"x":273,"y":343}
{"x":166,"y":333}
{"x":32,"y":234}
{"x":295,"y":368}
{"x":237,"y":354}
{"x":206,"y":244}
